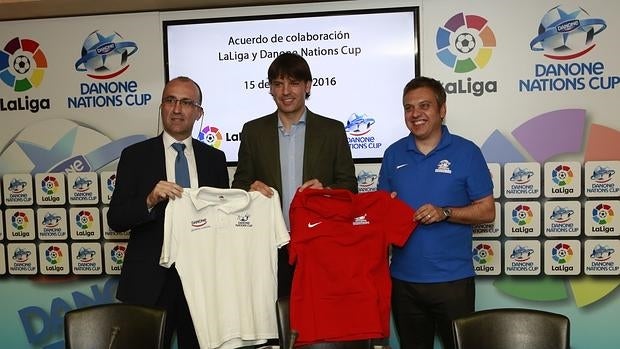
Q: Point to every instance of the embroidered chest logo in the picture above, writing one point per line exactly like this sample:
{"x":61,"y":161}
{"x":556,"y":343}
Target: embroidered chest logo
{"x":200,"y":223}
{"x":312,"y":225}
{"x":401,"y":166}
{"x":243,"y":220}
{"x":361,"y":220}
{"x":444,"y":167}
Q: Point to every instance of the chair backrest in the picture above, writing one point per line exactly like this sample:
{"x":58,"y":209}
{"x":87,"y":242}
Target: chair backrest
{"x":284,"y":323}
{"x":512,"y":328}
{"x":115,"y":326}
{"x":356,"y":344}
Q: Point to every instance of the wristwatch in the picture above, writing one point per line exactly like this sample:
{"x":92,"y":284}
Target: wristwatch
{"x":447,"y":212}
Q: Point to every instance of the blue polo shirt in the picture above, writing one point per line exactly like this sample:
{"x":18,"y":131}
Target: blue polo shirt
{"x":453,"y":174}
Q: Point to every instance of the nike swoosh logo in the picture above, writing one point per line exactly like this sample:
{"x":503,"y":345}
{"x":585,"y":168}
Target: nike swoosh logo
{"x":312,"y":225}
{"x":401,"y":166}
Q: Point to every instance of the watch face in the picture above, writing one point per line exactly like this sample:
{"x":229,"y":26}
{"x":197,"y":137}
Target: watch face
{"x":447,"y":212}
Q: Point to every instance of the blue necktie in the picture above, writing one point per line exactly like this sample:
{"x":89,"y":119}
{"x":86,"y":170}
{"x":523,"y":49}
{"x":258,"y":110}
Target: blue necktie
{"x":181,"y":170}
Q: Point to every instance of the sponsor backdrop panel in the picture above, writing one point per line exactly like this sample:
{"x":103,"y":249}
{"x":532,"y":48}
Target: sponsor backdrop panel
{"x":535,"y":83}
{"x":104,"y":72}
{"x":530,"y":82}
{"x":73,"y":93}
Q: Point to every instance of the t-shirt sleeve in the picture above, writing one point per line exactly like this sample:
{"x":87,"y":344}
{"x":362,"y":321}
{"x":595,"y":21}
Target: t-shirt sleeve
{"x":399,"y":220}
{"x":479,"y":183}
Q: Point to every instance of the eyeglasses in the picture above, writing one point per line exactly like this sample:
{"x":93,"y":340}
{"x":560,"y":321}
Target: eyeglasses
{"x":186,"y":103}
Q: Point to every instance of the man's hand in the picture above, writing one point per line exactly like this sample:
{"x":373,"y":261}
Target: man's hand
{"x":428,"y":214}
{"x":262,"y":188}
{"x":312,"y":184}
{"x":163,"y":190}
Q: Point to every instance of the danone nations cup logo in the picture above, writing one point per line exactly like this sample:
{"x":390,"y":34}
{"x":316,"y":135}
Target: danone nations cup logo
{"x":566,"y":33}
{"x":104,"y":55}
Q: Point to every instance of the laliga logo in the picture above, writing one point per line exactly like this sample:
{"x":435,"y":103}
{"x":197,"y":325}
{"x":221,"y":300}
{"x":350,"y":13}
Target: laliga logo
{"x":111,"y":182}
{"x":84,"y":219}
{"x":562,"y":253}
{"x":603,"y":214}
{"x":53,"y":255}
{"x":105,"y":56}
{"x":566,"y":34}
{"x":522,"y":215}
{"x":465,"y":43}
{"x":49,"y":185}
{"x":562,"y":175}
{"x":118,"y":254}
{"x":483,"y":253}
{"x":210,"y":135}
{"x":22,"y":64}
{"x":19,"y":220}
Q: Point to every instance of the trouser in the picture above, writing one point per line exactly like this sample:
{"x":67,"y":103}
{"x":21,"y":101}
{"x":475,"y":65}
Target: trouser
{"x":422,"y":310}
{"x":178,"y":317}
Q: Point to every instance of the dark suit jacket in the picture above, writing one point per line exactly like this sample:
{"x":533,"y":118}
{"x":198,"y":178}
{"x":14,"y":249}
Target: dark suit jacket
{"x":327,"y":156}
{"x":140,"y":167}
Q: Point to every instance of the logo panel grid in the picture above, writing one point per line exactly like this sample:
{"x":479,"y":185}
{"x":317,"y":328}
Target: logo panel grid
{"x":556,"y":218}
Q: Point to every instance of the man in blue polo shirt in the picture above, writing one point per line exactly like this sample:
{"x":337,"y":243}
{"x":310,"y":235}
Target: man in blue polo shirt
{"x":445,"y":178}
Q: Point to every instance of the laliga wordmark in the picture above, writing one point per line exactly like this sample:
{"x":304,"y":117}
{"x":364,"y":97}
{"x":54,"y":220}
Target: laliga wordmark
{"x":21,"y":104}
{"x":468,"y":86}
{"x":109,"y":94}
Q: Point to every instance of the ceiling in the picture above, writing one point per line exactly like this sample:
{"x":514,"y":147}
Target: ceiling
{"x":30,"y":9}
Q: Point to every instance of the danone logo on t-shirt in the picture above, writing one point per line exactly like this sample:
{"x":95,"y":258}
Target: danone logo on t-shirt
{"x":199,"y":222}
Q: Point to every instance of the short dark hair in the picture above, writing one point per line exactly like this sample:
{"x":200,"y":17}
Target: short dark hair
{"x":289,"y":65}
{"x":186,"y":79}
{"x":423,"y":81}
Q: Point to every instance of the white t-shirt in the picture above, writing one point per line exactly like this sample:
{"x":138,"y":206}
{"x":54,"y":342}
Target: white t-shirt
{"x":224,"y":245}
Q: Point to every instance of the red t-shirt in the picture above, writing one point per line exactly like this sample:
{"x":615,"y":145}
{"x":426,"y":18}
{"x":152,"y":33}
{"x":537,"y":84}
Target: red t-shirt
{"x":340,"y":245}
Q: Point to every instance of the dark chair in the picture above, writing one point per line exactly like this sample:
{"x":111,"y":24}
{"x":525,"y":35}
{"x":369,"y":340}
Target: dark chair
{"x":287,"y":335}
{"x":512,"y":328}
{"x":115,"y":326}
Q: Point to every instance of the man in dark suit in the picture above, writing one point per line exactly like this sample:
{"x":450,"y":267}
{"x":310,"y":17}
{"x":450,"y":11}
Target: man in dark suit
{"x":145,"y":181}
{"x":292,"y":148}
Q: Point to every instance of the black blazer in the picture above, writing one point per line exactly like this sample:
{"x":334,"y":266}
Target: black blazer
{"x":140,"y":168}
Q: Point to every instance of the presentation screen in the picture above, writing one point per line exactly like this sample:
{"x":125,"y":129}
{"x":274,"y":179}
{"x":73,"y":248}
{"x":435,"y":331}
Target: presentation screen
{"x":360,"y":61}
